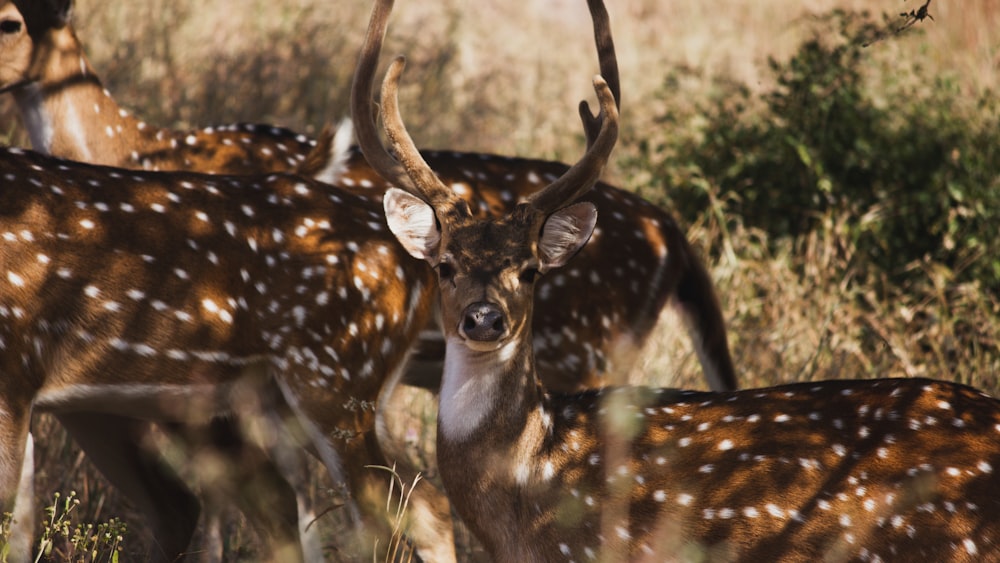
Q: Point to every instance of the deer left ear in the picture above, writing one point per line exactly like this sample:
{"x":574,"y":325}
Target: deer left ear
{"x":564,"y":234}
{"x":413,"y":223}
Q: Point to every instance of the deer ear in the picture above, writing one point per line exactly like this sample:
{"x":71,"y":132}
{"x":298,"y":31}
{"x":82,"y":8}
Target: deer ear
{"x":564,"y":234}
{"x":61,"y":11}
{"x":40,"y":16}
{"x":412,"y":221}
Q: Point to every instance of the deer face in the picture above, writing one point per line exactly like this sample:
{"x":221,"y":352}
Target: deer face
{"x":487,"y":268}
{"x":15,"y":46}
{"x":44,"y":15}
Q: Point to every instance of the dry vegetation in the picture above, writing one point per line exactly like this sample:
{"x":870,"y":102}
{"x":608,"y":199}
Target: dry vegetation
{"x":498,"y":79}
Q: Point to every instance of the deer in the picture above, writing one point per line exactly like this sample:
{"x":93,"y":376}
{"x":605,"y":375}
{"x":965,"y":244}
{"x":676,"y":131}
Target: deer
{"x":68,"y":113}
{"x":866,"y":470}
{"x":178,"y":297}
{"x":661,"y":266}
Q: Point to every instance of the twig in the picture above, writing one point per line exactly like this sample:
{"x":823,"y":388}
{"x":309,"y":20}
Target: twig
{"x":909,"y":20}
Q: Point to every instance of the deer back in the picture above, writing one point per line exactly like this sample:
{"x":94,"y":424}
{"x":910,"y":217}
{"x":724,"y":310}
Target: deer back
{"x":187,"y":278}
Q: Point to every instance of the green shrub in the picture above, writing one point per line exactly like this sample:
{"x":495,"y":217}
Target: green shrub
{"x":906,"y":156}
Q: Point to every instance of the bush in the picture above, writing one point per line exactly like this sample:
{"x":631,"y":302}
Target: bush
{"x":914,"y":165}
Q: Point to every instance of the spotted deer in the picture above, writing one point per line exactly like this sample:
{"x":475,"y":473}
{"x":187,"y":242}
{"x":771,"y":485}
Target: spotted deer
{"x":866,"y":470}
{"x":174,"y":297}
{"x":68,"y":113}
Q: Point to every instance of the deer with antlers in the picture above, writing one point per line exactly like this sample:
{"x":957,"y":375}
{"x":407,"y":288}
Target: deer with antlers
{"x":877,"y":470}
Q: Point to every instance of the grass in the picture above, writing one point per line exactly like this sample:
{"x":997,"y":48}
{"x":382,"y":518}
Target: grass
{"x":506,"y":81}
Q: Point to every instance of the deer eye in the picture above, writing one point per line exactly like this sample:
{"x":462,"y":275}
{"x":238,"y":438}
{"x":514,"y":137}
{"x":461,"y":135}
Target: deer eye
{"x":529,"y":275}
{"x":445,"y":271}
{"x":10,"y":26}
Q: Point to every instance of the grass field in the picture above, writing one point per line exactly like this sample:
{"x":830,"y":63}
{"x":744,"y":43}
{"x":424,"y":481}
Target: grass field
{"x":506,"y":79}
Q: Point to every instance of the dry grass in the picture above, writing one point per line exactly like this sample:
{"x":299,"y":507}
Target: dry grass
{"x":507,"y":80}
{"x":498,"y":79}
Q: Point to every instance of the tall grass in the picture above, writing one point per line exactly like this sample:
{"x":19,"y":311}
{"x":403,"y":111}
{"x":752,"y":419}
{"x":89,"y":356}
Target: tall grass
{"x":506,"y":78}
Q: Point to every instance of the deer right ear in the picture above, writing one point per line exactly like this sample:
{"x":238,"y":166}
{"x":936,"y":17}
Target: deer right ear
{"x":412,"y":221}
{"x":564,"y":234}
{"x":61,"y":10}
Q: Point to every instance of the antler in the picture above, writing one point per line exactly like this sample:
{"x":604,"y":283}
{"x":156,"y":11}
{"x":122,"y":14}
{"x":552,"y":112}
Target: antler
{"x":585,"y":173}
{"x":363,"y":109}
{"x":601,"y":130}
{"x":430,"y":187}
{"x":410,"y":172}
{"x":609,"y":67}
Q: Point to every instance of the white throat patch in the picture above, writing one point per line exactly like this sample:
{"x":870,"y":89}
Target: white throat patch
{"x":36,"y":120}
{"x":469,"y":389}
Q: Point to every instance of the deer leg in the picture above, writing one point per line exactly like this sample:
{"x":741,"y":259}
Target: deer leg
{"x":16,"y":481}
{"x":245,"y":474}
{"x":263,"y":492}
{"x":112,"y":443}
{"x":428,"y":523}
{"x":349,"y":463}
{"x":388,"y":534}
{"x":267,"y":438}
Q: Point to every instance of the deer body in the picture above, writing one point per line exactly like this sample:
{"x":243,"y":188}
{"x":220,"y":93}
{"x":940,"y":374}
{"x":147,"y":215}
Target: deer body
{"x":876,"y":470}
{"x":882,"y":470}
{"x":159,"y":296}
{"x":114,"y":254}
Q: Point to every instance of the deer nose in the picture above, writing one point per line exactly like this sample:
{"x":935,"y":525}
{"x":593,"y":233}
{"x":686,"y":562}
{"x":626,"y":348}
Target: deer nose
{"x":483,"y":322}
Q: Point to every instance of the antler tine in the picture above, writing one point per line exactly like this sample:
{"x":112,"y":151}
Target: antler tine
{"x":609,"y":66}
{"x":364,"y":110}
{"x":426,"y":181}
{"x":407,"y":175}
{"x":585,"y":173}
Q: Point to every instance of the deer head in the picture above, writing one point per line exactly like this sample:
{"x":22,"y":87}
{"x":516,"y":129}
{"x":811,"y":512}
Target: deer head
{"x":15,"y":45}
{"x":486,"y":268}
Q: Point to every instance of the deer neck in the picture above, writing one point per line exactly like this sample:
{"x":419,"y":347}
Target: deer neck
{"x":66,"y":110}
{"x":493,"y":425}
{"x":493,"y":416}
{"x":481,"y":389}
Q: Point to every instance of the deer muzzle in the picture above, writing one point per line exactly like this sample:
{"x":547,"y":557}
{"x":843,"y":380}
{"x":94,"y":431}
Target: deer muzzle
{"x":483,"y":322}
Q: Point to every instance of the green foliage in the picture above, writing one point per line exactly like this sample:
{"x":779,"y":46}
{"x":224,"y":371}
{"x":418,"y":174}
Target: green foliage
{"x":6,"y":519}
{"x":63,"y":539}
{"x":905,"y":155}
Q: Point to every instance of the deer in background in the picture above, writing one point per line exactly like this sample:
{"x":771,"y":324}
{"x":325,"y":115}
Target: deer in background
{"x":68,"y":113}
{"x":867,"y":470}
{"x":178,"y":297}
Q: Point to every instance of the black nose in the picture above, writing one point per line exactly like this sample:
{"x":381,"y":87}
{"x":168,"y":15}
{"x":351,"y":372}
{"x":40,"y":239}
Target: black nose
{"x":483,"y":322}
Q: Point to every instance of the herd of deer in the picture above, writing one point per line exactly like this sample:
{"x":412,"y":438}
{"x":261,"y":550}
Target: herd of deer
{"x":267,"y":293}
